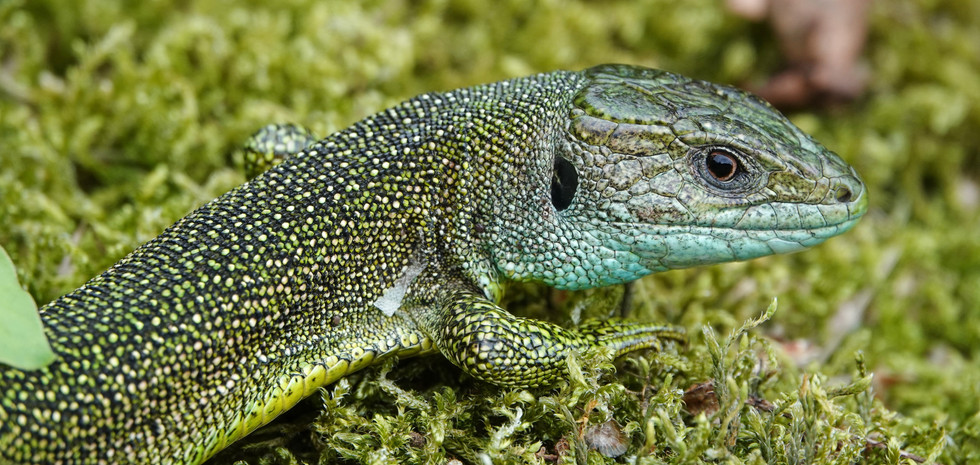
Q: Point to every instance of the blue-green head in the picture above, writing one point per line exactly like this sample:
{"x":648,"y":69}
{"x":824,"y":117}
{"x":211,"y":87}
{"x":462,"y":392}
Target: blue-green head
{"x":655,"y":171}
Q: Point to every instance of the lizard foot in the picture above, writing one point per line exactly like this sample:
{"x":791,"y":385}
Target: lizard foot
{"x":492,"y":345}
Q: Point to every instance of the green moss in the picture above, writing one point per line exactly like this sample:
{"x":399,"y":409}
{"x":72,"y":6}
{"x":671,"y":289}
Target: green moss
{"x":117,"y":118}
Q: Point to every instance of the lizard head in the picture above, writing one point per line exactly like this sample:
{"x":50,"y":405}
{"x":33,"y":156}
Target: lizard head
{"x":656,"y":171}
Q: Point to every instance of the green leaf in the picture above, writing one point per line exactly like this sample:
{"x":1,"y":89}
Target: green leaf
{"x":23,"y":344}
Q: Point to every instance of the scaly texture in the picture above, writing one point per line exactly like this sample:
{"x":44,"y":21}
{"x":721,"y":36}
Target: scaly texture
{"x":390,"y":239}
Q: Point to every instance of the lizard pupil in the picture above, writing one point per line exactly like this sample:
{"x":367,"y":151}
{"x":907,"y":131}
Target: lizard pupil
{"x":722,"y":165}
{"x":564,"y":181}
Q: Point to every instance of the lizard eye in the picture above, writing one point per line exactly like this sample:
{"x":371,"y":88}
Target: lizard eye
{"x":564,"y":181}
{"x":722,"y":165}
{"x":723,"y":169}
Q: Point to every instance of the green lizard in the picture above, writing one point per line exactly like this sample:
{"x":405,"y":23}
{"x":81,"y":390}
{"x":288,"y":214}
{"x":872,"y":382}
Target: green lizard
{"x":391,"y":238}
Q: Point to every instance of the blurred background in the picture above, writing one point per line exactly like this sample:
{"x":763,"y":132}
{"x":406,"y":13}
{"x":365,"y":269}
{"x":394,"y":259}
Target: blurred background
{"x":117,"y":118}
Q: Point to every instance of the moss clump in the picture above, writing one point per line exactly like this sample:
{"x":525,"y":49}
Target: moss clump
{"x":115,"y":120}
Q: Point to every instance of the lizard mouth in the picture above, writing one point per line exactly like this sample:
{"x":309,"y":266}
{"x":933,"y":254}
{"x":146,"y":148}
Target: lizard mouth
{"x":661,"y":247}
{"x":784,"y":218}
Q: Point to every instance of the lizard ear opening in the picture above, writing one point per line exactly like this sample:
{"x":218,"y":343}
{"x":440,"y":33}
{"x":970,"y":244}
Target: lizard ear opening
{"x":564,"y":181}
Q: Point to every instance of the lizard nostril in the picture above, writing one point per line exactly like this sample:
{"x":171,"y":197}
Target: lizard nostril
{"x":843,"y":194}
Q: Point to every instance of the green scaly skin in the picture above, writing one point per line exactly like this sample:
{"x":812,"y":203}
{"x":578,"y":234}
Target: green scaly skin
{"x":259,"y":298}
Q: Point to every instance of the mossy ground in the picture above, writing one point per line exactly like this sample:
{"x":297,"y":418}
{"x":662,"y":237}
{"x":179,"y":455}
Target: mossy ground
{"x":117,"y":118}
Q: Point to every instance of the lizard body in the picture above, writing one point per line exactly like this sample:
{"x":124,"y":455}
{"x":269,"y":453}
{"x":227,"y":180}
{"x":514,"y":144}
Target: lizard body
{"x":390,"y":238}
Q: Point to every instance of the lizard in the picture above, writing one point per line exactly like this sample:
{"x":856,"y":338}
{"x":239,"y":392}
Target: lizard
{"x":392,"y":238}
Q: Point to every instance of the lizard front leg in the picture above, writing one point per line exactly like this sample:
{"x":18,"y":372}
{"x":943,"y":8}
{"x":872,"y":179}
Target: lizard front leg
{"x":486,"y":341}
{"x":274,"y":144}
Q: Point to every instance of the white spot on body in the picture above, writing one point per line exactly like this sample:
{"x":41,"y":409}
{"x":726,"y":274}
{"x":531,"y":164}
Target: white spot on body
{"x":391,"y":298}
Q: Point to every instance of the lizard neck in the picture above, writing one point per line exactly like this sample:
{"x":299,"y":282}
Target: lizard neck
{"x":504,"y":223}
